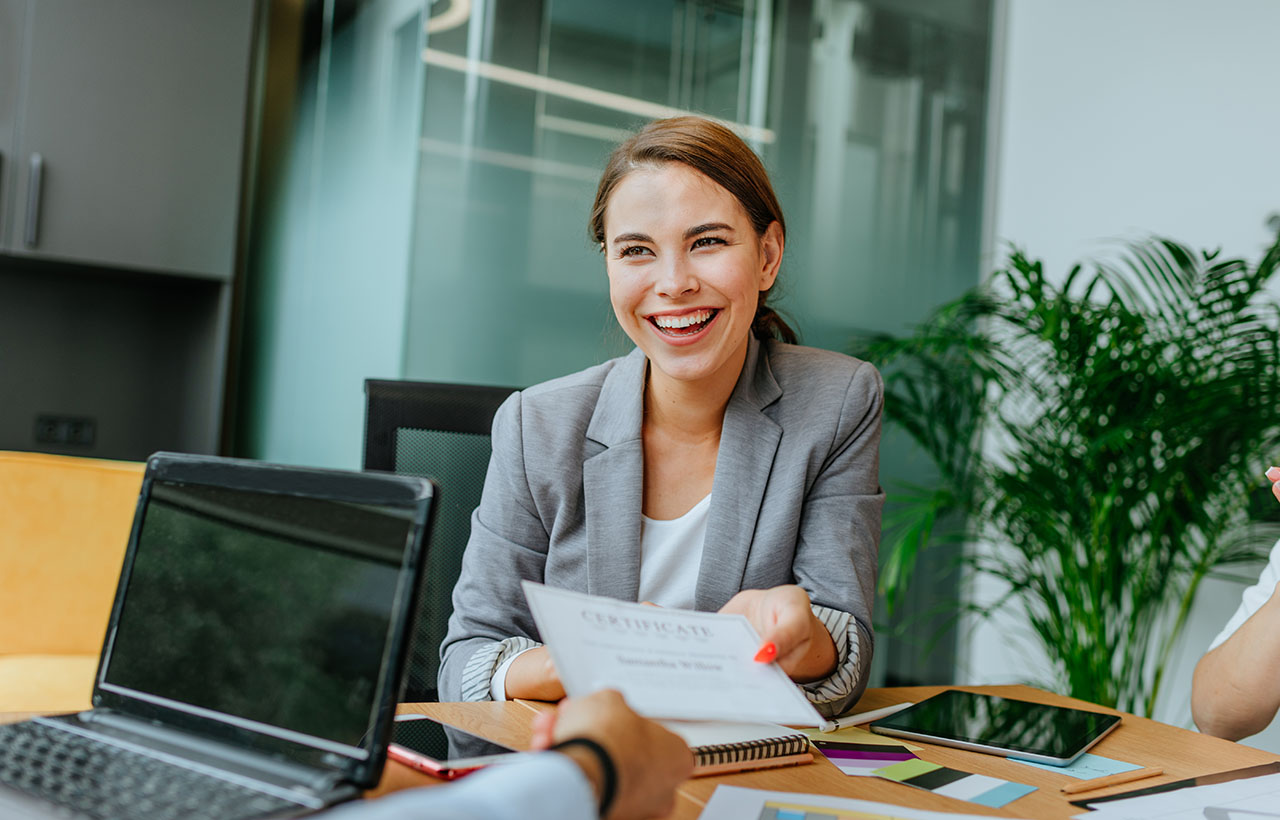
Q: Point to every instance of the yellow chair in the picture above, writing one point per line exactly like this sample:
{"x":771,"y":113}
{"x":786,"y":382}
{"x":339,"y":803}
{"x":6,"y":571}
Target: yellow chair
{"x":64,"y":527}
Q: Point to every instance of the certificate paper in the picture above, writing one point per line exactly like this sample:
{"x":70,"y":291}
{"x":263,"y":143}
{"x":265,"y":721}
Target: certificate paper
{"x":667,"y":663}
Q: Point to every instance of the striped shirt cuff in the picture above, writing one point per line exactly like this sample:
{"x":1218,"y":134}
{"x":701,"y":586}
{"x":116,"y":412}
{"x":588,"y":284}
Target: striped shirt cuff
{"x":829,"y":691}
{"x":477,"y":675}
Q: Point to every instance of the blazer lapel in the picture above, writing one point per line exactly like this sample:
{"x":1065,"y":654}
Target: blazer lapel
{"x":613,"y":482}
{"x":748,"y":443}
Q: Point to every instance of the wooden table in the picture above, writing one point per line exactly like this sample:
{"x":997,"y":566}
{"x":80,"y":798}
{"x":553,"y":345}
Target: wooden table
{"x":1180,"y":752}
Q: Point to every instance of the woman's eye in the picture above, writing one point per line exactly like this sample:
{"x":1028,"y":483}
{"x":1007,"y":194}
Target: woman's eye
{"x":707,"y":241}
{"x":633,"y":250}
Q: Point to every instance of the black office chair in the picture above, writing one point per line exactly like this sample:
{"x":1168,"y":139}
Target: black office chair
{"x":442,"y":431}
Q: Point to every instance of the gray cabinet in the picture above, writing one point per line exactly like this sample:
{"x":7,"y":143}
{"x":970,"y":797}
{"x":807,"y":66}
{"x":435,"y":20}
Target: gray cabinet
{"x":122,"y":129}
{"x":122,"y":143}
{"x":12,"y":24}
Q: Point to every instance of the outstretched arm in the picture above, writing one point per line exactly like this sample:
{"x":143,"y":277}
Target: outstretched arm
{"x":1236,"y":688}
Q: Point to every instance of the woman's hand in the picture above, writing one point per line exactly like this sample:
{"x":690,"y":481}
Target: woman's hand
{"x":1273,"y":475}
{"x":533,"y":676}
{"x":801,"y":644}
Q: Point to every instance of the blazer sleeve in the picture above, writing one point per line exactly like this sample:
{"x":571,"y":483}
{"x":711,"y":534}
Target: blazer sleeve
{"x":508,"y":544}
{"x":837,"y":551}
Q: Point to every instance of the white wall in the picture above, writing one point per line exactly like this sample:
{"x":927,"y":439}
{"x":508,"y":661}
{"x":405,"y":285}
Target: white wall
{"x":1118,"y":119}
{"x":1124,"y":117}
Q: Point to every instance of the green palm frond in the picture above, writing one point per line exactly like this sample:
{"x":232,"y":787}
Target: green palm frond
{"x":1105,"y":434}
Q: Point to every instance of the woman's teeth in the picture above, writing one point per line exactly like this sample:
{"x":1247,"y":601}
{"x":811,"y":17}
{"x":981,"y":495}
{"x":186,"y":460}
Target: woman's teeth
{"x":684,"y":325}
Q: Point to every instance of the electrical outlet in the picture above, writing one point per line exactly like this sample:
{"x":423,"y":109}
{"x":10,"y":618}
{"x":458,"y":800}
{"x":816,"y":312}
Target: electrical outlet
{"x":75,"y":430}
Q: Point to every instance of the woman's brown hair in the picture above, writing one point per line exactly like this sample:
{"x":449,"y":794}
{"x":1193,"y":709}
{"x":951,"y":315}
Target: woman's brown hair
{"x":716,"y":152}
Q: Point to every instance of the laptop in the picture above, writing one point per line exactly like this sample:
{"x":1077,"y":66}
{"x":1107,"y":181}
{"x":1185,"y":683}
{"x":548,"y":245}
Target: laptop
{"x":254,"y":654}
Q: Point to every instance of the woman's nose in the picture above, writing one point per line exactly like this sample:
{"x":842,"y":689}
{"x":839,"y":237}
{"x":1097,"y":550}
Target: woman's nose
{"x":676,"y":278}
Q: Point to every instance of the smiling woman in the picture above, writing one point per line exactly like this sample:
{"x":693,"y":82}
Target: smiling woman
{"x":717,"y":467}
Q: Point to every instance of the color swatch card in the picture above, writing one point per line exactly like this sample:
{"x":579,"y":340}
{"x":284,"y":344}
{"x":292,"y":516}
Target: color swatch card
{"x":975,"y":788}
{"x":862,"y":759}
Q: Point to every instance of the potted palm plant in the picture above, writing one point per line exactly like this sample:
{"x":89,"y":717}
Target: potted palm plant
{"x":1102,"y":438}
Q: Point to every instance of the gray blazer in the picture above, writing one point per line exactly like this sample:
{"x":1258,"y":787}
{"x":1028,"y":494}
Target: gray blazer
{"x":796,"y":497}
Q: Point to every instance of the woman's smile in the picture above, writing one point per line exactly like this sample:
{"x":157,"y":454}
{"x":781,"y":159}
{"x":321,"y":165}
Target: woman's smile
{"x":686,"y":326}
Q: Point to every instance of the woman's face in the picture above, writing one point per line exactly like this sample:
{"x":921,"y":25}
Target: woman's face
{"x":685,"y":271}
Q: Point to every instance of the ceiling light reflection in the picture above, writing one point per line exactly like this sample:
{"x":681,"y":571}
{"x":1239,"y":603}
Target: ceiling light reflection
{"x":458,"y":13}
{"x":580,"y":93}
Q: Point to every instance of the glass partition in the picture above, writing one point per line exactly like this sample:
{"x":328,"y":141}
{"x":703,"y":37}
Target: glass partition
{"x":427,"y":214}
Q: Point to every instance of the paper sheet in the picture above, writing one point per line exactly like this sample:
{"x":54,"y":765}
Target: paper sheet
{"x":717,"y":732}
{"x":1255,"y":798}
{"x":735,"y":803}
{"x":667,"y":663}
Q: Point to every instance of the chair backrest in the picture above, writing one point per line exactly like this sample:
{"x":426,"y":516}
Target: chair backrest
{"x":442,"y":431}
{"x":64,"y":526}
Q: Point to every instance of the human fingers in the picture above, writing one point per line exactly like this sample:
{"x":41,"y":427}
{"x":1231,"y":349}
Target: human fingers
{"x":544,"y":725}
{"x":747,"y":603}
{"x":1273,"y":474}
{"x":649,"y":760}
{"x":782,"y":618}
{"x":778,"y":615}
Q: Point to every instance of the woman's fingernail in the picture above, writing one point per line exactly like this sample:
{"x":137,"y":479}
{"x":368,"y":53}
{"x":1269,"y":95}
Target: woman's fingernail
{"x":767,"y":653}
{"x":1273,"y":473}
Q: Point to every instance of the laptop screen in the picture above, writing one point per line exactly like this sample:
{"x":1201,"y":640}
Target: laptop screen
{"x":270,"y":611}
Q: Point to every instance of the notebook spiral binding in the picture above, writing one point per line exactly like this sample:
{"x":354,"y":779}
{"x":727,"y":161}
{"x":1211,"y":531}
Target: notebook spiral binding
{"x":721,"y":753}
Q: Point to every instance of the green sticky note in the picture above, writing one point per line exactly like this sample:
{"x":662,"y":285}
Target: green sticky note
{"x":907,"y":769}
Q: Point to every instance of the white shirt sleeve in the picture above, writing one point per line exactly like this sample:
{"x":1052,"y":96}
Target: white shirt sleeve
{"x":544,"y":786}
{"x":1253,"y":598}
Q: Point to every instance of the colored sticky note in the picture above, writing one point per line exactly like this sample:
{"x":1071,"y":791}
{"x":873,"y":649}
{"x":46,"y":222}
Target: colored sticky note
{"x":1086,"y":767}
{"x":855,"y":734}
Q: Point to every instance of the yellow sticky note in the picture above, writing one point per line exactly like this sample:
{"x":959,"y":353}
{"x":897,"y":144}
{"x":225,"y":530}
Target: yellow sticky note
{"x":856,"y":734}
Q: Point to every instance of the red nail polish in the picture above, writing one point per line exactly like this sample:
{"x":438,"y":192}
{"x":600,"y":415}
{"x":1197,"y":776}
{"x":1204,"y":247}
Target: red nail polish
{"x":767,"y":653}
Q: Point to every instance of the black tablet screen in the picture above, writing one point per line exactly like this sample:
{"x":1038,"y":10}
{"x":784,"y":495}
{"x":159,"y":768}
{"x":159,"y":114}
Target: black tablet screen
{"x":1016,"y":725}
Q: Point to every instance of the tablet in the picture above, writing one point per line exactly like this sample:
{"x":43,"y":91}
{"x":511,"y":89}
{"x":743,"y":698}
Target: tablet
{"x":1011,"y":728}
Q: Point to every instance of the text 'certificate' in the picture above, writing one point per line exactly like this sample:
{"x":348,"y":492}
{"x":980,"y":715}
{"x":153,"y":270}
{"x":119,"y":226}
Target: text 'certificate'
{"x":667,"y":663}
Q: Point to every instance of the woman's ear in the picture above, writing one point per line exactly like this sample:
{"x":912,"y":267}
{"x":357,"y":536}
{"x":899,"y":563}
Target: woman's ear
{"x":771,"y":245}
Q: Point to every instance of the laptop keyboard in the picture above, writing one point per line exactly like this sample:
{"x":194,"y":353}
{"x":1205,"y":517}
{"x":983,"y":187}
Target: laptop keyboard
{"x":96,"y":780}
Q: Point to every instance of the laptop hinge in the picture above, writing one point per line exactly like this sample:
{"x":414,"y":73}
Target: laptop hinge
{"x":302,"y":783}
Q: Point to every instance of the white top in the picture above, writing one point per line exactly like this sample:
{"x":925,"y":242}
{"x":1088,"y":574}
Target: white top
{"x":671,"y":556}
{"x":1253,"y":598}
{"x":544,"y":786}
{"x":670,"y":559}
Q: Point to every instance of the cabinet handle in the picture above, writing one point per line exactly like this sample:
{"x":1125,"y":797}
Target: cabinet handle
{"x":32,"y":236}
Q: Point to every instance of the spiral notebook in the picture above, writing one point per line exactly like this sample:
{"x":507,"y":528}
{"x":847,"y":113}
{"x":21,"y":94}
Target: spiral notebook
{"x":723,"y":746}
